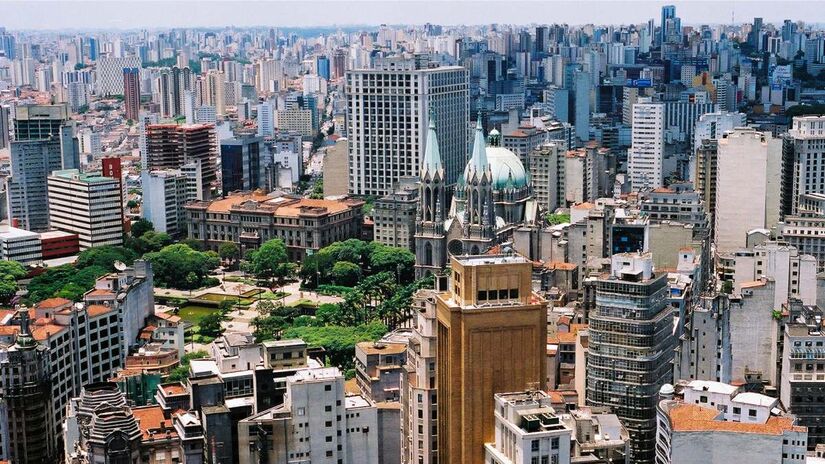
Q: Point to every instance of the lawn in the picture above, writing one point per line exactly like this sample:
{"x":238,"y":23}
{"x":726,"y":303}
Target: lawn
{"x":194,"y":313}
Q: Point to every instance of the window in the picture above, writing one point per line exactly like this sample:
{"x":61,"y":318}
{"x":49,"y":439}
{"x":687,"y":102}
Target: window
{"x":737,"y":410}
{"x":534,"y":445}
{"x":751,"y":412}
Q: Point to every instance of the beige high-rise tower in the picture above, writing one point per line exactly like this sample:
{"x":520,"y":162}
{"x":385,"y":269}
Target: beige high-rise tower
{"x":492,"y":337}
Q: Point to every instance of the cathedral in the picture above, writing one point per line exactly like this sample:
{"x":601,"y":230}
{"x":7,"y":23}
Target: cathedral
{"x":491,"y":198}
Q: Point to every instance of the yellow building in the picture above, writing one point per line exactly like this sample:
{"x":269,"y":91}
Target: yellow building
{"x":492,"y":334}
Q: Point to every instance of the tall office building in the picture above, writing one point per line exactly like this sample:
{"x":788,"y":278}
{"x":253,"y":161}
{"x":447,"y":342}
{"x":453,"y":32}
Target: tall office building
{"x":27,"y":411}
{"x":90,"y":206}
{"x":388,"y":110}
{"x":583,"y":86}
{"x":755,"y":36}
{"x":748,"y":181}
{"x":668,"y":13}
{"x":43,"y":143}
{"x":164,"y":195}
{"x":131,"y":93}
{"x":805,"y":161}
{"x":646,"y":152}
{"x":631,"y":347}
{"x":242,"y":168}
{"x":492,"y":338}
{"x":322,"y":66}
{"x":171,"y":146}
{"x":711,"y":126}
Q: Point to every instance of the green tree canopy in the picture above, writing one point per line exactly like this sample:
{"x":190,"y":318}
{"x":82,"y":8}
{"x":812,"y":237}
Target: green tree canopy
{"x":270,"y":260}
{"x":339,"y":342}
{"x":141,"y":226}
{"x":345,"y":273}
{"x":210,"y":325}
{"x":397,"y":261}
{"x":178,"y":266}
{"x":229,"y":251}
{"x":105,"y":257}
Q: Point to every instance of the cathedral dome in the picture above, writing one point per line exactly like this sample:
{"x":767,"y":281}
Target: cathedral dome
{"x":505,"y":165}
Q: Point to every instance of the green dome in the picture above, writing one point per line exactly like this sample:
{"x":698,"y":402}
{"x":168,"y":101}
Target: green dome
{"x":505,"y":164}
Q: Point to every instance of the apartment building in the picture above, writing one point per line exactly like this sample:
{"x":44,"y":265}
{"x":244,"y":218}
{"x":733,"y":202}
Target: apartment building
{"x":317,"y":424}
{"x":625,"y":371}
{"x":172,"y":146}
{"x":419,"y":431}
{"x":547,"y":168}
{"x":716,"y":422}
{"x":646,"y":153}
{"x":394,"y":215}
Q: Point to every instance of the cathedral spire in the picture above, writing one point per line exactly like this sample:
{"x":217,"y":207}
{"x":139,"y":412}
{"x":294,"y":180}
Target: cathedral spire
{"x":479,"y":158}
{"x":432,"y":155}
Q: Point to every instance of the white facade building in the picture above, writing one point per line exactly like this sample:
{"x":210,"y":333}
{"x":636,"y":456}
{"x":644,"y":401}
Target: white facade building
{"x":164,"y":195}
{"x":382,"y":149}
{"x":807,"y":140}
{"x":528,"y":431}
{"x":20,"y":245}
{"x":645,"y":156}
{"x":747,"y":186}
{"x":87,"y":205}
{"x":321,"y":425}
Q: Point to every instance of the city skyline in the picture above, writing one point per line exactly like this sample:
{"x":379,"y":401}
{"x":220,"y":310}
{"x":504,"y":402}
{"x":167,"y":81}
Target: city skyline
{"x":48,"y":15}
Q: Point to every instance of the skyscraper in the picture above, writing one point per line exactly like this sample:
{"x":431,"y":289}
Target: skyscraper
{"x":43,"y":143}
{"x":26,"y":412}
{"x":806,"y":160}
{"x":322,"y":65}
{"x":110,"y":74}
{"x":241,"y":166}
{"x":131,"y":92}
{"x":492,"y":337}
{"x":668,"y":12}
{"x":388,"y":116}
{"x":5,"y":127}
{"x":631,"y":347}
{"x":647,"y":145}
{"x":214,"y":91}
{"x":172,"y":85}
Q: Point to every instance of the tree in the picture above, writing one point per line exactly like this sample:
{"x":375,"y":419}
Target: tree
{"x":315,"y":270}
{"x":229,"y":251}
{"x":192,"y":243}
{"x":178,"y":266}
{"x":352,"y":250}
{"x":270,"y":260}
{"x":268,"y":327}
{"x":397,"y":261}
{"x":265,"y":307}
{"x":338,"y":342}
{"x":345,"y":273}
{"x":105,"y":256}
{"x":152,"y":241}
{"x":210,"y":325}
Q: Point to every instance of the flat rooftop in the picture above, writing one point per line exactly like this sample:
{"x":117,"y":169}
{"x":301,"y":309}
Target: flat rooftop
{"x":485,"y":260}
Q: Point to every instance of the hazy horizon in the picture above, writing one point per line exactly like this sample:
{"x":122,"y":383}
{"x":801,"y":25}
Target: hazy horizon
{"x":125,"y":15}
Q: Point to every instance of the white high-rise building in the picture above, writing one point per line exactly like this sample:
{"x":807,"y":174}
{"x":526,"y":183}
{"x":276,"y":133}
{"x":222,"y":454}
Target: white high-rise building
{"x":317,"y":424}
{"x":647,"y":145}
{"x":164,"y":194}
{"x":266,"y":120}
{"x":748,"y":178}
{"x":90,"y":206}
{"x":528,"y":431}
{"x":388,"y":115}
{"x":806,"y":139}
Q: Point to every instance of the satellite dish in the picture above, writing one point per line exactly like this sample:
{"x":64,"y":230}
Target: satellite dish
{"x":120,"y":266}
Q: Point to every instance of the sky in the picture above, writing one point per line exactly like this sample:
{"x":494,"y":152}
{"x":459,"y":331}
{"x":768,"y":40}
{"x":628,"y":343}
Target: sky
{"x":133,"y":14}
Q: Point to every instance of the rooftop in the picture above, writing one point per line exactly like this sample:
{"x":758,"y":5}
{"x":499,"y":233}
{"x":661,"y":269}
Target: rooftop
{"x":695,"y":418}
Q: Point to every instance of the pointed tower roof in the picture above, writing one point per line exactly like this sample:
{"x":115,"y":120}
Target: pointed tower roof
{"x":432,"y":154}
{"x":479,"y":159}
